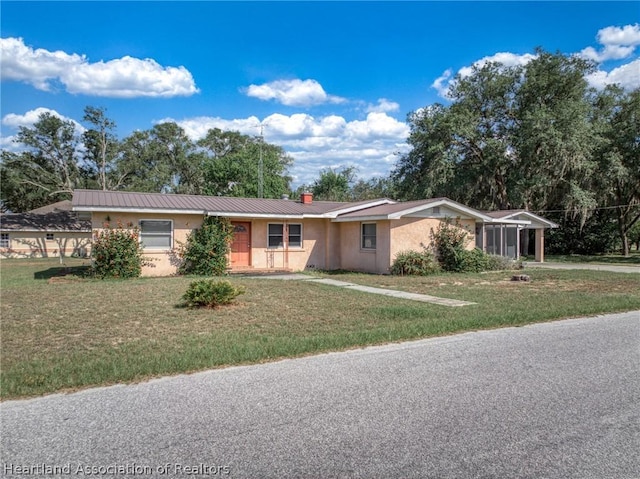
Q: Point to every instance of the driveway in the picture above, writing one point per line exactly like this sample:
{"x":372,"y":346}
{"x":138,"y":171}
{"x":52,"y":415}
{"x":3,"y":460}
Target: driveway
{"x":556,"y":400}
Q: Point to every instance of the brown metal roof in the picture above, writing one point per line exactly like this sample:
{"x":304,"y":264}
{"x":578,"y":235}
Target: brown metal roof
{"x":59,"y":221}
{"x":94,"y":199}
{"x":64,"y":205}
{"x":389,"y":209}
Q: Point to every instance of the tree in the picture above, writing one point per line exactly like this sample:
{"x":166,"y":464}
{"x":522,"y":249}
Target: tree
{"x":47,"y":171}
{"x":162,"y":160}
{"x":101,"y":148}
{"x":465,"y":151}
{"x":378,"y":187}
{"x":231,"y":165}
{"x":334,"y":184}
{"x":555,"y":137}
{"x":619,"y":158}
{"x":525,"y":137}
{"x":513,"y":137}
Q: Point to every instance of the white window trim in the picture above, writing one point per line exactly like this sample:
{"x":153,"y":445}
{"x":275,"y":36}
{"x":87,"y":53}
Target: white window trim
{"x":362,"y":247}
{"x":155,"y":248}
{"x":49,"y":236}
{"x":5,"y":240}
{"x":285,"y":244}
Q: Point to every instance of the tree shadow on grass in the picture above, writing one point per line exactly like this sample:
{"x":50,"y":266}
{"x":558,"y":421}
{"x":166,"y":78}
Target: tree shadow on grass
{"x":60,"y":271}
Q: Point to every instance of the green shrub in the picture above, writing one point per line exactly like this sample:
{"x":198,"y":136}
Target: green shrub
{"x":207,"y":248}
{"x":473,"y":261}
{"x":499,"y":263}
{"x":209,"y":293}
{"x":449,"y":241}
{"x":117,"y":253}
{"x":407,"y":263}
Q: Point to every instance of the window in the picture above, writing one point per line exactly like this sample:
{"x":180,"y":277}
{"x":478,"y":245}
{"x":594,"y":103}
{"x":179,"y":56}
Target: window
{"x":156,"y":234}
{"x":49,"y":236}
{"x":368,"y":236}
{"x":276,"y":235}
{"x":4,"y":240}
{"x":295,"y":236}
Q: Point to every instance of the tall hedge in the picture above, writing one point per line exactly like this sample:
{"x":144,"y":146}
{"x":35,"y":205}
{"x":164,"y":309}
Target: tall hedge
{"x":207,"y":248}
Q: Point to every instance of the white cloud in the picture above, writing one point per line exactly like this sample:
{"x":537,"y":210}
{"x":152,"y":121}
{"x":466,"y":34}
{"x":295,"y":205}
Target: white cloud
{"x":197,"y":127}
{"x":125,"y":77}
{"x":293,"y":93}
{"x":610,"y":52}
{"x":505,"y":58}
{"x":627,"y":35}
{"x":626,"y":76}
{"x":316,"y":143}
{"x":383,"y":106}
{"x":619,"y":43}
{"x":8,"y":143}
{"x":441,"y":84}
{"x":15,"y":121}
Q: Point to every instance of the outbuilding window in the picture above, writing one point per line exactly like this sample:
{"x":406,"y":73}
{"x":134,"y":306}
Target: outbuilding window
{"x":4,"y":240}
{"x":156,"y":234}
{"x":368,"y":236}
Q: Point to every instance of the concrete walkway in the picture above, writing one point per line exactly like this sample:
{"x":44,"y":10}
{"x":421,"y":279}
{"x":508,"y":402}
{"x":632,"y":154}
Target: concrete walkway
{"x":596,"y":267}
{"x":368,"y":289}
{"x":392,"y":292}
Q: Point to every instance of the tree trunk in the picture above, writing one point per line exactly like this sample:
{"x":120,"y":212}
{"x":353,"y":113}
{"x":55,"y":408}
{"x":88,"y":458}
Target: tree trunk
{"x":623,"y":230}
{"x":625,"y":245}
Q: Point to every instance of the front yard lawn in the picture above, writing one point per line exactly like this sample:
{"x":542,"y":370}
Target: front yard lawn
{"x":610,"y":258}
{"x":61,"y":333}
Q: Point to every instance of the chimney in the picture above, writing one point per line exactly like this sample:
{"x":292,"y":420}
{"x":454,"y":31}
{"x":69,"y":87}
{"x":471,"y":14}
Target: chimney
{"x":306,"y":198}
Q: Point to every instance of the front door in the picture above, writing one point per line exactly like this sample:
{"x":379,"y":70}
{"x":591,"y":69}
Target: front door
{"x":241,"y":245}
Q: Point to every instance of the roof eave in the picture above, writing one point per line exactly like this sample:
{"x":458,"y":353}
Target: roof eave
{"x":443,"y":202}
{"x":360,"y":218}
{"x":509,"y":222}
{"x":231,"y":214}
{"x":351,"y":209}
{"x":120,"y":209}
{"x":545,"y":222}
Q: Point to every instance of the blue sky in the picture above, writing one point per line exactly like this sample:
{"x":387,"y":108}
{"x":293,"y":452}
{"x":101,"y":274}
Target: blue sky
{"x":331,"y":82}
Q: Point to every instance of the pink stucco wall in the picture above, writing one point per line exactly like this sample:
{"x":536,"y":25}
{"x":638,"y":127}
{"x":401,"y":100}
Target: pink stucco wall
{"x":414,"y":233}
{"x":326,"y":245}
{"x":311,"y":255}
{"x":353,"y":257}
{"x":27,"y":244}
{"x":163,"y":262}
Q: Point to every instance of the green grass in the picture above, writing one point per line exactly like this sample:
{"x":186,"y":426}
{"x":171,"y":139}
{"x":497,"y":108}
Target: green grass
{"x":61,"y":333}
{"x":611,"y":258}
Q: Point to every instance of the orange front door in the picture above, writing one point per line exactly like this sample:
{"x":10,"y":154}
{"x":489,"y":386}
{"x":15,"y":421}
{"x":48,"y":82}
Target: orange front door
{"x":241,"y":245}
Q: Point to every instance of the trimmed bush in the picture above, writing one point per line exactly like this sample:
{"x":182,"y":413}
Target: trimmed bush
{"x":116,"y":253}
{"x":209,"y":293}
{"x":414,"y":263}
{"x":207,"y":248}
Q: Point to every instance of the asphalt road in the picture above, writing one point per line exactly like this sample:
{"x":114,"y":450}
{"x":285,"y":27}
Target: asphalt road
{"x":553,"y":400}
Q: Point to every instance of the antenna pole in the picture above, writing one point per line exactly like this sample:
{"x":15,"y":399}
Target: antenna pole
{"x":261,"y":165}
